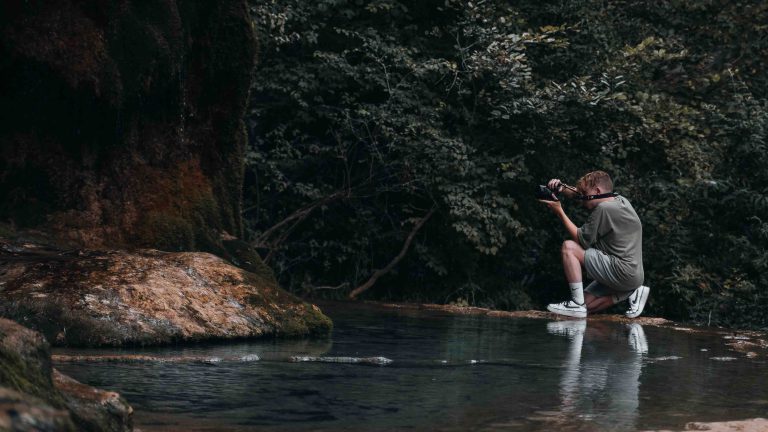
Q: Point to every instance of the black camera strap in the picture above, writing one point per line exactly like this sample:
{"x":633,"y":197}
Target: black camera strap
{"x":581,"y":197}
{"x":598,"y":196}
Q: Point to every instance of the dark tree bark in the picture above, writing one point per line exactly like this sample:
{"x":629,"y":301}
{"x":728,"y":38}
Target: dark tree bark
{"x":122,"y":120}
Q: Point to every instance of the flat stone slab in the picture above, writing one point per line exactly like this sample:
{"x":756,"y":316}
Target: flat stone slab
{"x":471,"y":310}
{"x":748,"y":343}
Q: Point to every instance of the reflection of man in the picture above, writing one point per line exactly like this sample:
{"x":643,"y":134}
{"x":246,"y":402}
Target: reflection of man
{"x":609,"y":246}
{"x":602,"y":384}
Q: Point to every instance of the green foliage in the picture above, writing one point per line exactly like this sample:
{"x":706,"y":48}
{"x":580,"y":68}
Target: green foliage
{"x":365,"y":114}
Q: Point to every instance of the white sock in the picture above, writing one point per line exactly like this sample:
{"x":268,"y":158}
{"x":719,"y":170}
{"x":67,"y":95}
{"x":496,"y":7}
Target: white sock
{"x":577,"y":292}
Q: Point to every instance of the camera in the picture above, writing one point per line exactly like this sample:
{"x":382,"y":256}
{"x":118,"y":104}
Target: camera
{"x":546,"y":194}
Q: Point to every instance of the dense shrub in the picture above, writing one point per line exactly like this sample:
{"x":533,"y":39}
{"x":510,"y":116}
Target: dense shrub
{"x":368,"y":114}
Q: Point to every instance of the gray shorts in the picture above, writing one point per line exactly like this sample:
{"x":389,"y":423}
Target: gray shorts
{"x":599,"y":268}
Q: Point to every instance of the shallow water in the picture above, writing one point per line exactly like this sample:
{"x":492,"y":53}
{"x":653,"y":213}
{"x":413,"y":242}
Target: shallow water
{"x":450,"y":373}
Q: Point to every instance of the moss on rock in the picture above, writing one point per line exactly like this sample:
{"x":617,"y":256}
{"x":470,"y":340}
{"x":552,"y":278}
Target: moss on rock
{"x":31,"y":399}
{"x":25,"y":363}
{"x":310,"y":322}
{"x":22,"y":412}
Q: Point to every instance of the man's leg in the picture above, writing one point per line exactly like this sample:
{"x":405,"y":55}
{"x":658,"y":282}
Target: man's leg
{"x":607,"y":289}
{"x":573,"y":260}
{"x":599,"y":296}
{"x":596,"y":304}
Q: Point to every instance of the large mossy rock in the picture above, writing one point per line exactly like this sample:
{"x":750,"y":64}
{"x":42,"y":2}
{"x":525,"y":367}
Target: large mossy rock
{"x":34,"y":396}
{"x":122,"y":120}
{"x":122,"y":128}
{"x":146,"y":297}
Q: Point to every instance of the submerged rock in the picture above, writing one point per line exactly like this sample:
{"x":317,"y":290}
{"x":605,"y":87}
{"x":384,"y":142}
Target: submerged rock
{"x":34,"y":396}
{"x":96,"y":298}
{"x":134,"y":358}
{"x":378,"y":361}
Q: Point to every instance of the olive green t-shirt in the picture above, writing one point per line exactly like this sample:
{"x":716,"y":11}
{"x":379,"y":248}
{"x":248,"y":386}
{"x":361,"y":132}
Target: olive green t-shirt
{"x":614,"y":228}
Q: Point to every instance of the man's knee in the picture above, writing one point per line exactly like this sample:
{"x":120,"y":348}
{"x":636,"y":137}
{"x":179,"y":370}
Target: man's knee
{"x":571,"y":250}
{"x":570,"y":247}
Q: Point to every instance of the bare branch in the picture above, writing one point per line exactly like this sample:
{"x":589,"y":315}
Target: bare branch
{"x":381,"y":272}
{"x":300,"y":215}
{"x":326,"y":287}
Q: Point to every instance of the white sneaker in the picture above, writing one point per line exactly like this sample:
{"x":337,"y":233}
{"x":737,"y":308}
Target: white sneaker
{"x":637,"y":301}
{"x":636,"y":338}
{"x":568,"y":308}
{"x":568,"y":328}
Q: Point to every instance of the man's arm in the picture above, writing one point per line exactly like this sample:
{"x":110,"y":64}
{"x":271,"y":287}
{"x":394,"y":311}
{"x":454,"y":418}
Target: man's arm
{"x":569,"y":226}
{"x":557,"y":207}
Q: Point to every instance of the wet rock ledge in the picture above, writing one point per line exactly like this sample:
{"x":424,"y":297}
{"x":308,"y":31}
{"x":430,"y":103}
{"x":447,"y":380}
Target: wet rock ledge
{"x":36,"y":397}
{"x":145,"y":297}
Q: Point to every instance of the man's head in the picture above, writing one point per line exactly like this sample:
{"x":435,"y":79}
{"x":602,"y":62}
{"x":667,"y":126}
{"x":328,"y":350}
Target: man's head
{"x":594,"y":183}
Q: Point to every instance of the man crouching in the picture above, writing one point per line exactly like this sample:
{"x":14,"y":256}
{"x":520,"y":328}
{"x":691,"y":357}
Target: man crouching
{"x":609,"y":246}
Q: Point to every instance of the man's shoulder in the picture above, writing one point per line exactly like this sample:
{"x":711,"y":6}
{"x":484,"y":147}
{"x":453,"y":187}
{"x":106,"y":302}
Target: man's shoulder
{"x":618,"y":205}
{"x":624,"y":202}
{"x":624,"y":207}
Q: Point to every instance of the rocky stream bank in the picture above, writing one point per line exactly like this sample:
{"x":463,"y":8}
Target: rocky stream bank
{"x":84,"y":297}
{"x":36,"y":397}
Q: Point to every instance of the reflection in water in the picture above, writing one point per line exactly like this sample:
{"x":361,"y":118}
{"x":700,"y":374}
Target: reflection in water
{"x":282,"y":351}
{"x":600,"y":375}
{"x":448,"y":373}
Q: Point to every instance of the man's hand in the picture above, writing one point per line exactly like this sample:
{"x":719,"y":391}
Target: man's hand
{"x":555,"y":185}
{"x":555,"y":206}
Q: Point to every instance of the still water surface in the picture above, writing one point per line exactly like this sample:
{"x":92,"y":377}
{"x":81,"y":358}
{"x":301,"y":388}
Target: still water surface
{"x":449,"y":373}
